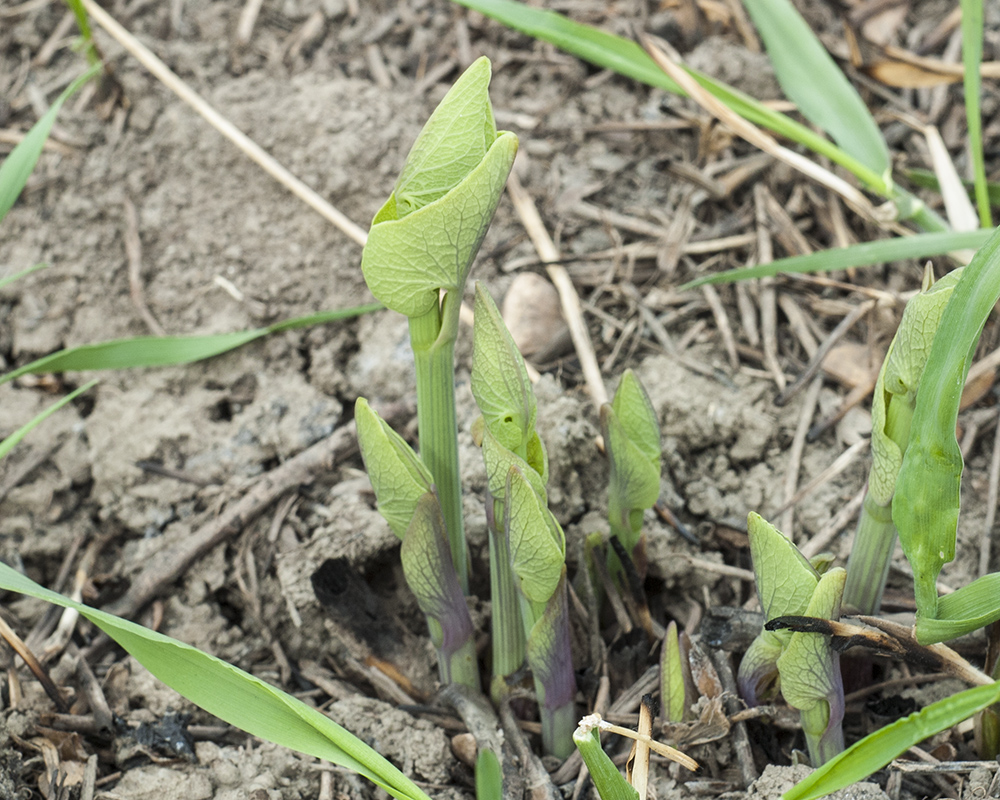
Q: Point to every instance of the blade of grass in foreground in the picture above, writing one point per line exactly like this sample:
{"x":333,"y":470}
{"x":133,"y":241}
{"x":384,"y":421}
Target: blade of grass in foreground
{"x":921,"y":245}
{"x":813,"y":81}
{"x":24,"y":273}
{"x":608,"y":51}
{"x":878,"y":749}
{"x":160,"y":351}
{"x":972,"y":55}
{"x":8,"y":444}
{"x":17,"y":167}
{"x":234,"y":696}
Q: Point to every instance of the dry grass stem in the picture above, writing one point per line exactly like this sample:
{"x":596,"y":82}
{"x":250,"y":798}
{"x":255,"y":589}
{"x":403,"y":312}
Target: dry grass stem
{"x":133,"y":254}
{"x":787,"y":520}
{"x":250,"y":148}
{"x":569,"y":299}
{"x":670,"y":65}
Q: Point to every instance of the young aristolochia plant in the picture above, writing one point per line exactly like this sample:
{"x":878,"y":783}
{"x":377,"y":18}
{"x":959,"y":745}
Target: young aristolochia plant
{"x":527,"y":545}
{"x":893,"y":404}
{"x":632,"y":438}
{"x":802,"y":665}
{"x":420,"y":248}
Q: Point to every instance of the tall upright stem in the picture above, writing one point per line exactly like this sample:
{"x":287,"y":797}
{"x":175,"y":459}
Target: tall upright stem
{"x":432,"y":337}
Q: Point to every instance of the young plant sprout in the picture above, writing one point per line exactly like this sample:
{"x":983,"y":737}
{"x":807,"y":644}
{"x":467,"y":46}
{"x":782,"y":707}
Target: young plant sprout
{"x":419,"y":251}
{"x":802,"y":665}
{"x":405,"y":494}
{"x":632,"y":439}
{"x":892,"y":412}
{"x":527,"y":546}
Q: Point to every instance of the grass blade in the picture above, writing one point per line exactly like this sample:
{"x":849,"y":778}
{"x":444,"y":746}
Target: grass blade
{"x":232,"y":695}
{"x":8,"y":444}
{"x":921,"y":245}
{"x":878,"y":749}
{"x":160,"y":351}
{"x":24,"y":273}
{"x":814,"y":82}
{"x":928,"y":180}
{"x":972,"y":56}
{"x":17,"y":167}
{"x":625,"y":57}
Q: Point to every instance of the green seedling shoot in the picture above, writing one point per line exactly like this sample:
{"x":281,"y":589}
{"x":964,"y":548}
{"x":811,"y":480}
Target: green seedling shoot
{"x":674,"y":677}
{"x":527,"y":546}
{"x":419,"y":251}
{"x":802,"y":665}
{"x":404,"y":490}
{"x":632,"y":439}
{"x":507,"y":431}
{"x":926,"y":505}
{"x":892,"y":413}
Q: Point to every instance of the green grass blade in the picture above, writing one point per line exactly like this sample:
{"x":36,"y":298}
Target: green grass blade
{"x":878,"y":749}
{"x":921,"y":245}
{"x":928,"y":180}
{"x":972,"y":56}
{"x":926,"y":504}
{"x":17,"y":167}
{"x":8,"y":444}
{"x":159,"y":351}
{"x":608,"y":51}
{"x":489,"y":776}
{"x":972,"y":607}
{"x":814,"y":82}
{"x":232,"y":695}
{"x":24,"y":273}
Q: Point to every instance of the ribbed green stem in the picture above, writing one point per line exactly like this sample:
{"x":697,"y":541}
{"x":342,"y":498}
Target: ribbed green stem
{"x":508,"y":629}
{"x":823,"y":744}
{"x":871,"y":554}
{"x":558,"y":725}
{"x":432,"y":337}
{"x":462,"y":666}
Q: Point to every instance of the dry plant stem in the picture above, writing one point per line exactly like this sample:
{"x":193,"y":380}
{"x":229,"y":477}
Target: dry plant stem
{"x":843,"y":518}
{"x":168,"y":566}
{"x":816,"y":360}
{"x":98,"y":703}
{"x":254,"y":151}
{"x":722,"y":323}
{"x":568,"y":297}
{"x":741,"y":738}
{"x":991,"y":505}
{"x":248,"y":18}
{"x":842,"y":462}
{"x":17,"y":645}
{"x":669,"y":64}
{"x":795,"y":451}
{"x":851,"y":399}
{"x":133,"y":252}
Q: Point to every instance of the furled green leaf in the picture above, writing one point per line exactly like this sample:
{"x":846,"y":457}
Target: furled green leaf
{"x":810,"y":673}
{"x":500,"y":381}
{"x":550,"y":657}
{"x":869,"y":254}
{"x":160,"y":351}
{"x":813,"y":81}
{"x":400,"y":479}
{"x":453,"y":141}
{"x":427,"y":234}
{"x":926,"y":504}
{"x":879,"y":748}
{"x":537,"y":543}
{"x":234,"y":696}
{"x":672,"y":685}
{"x":637,"y":416}
{"x":489,"y":776}
{"x":498,"y":460}
{"x":785,"y":579}
{"x":10,"y":442}
{"x":431,"y":577}
{"x":17,"y":167}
